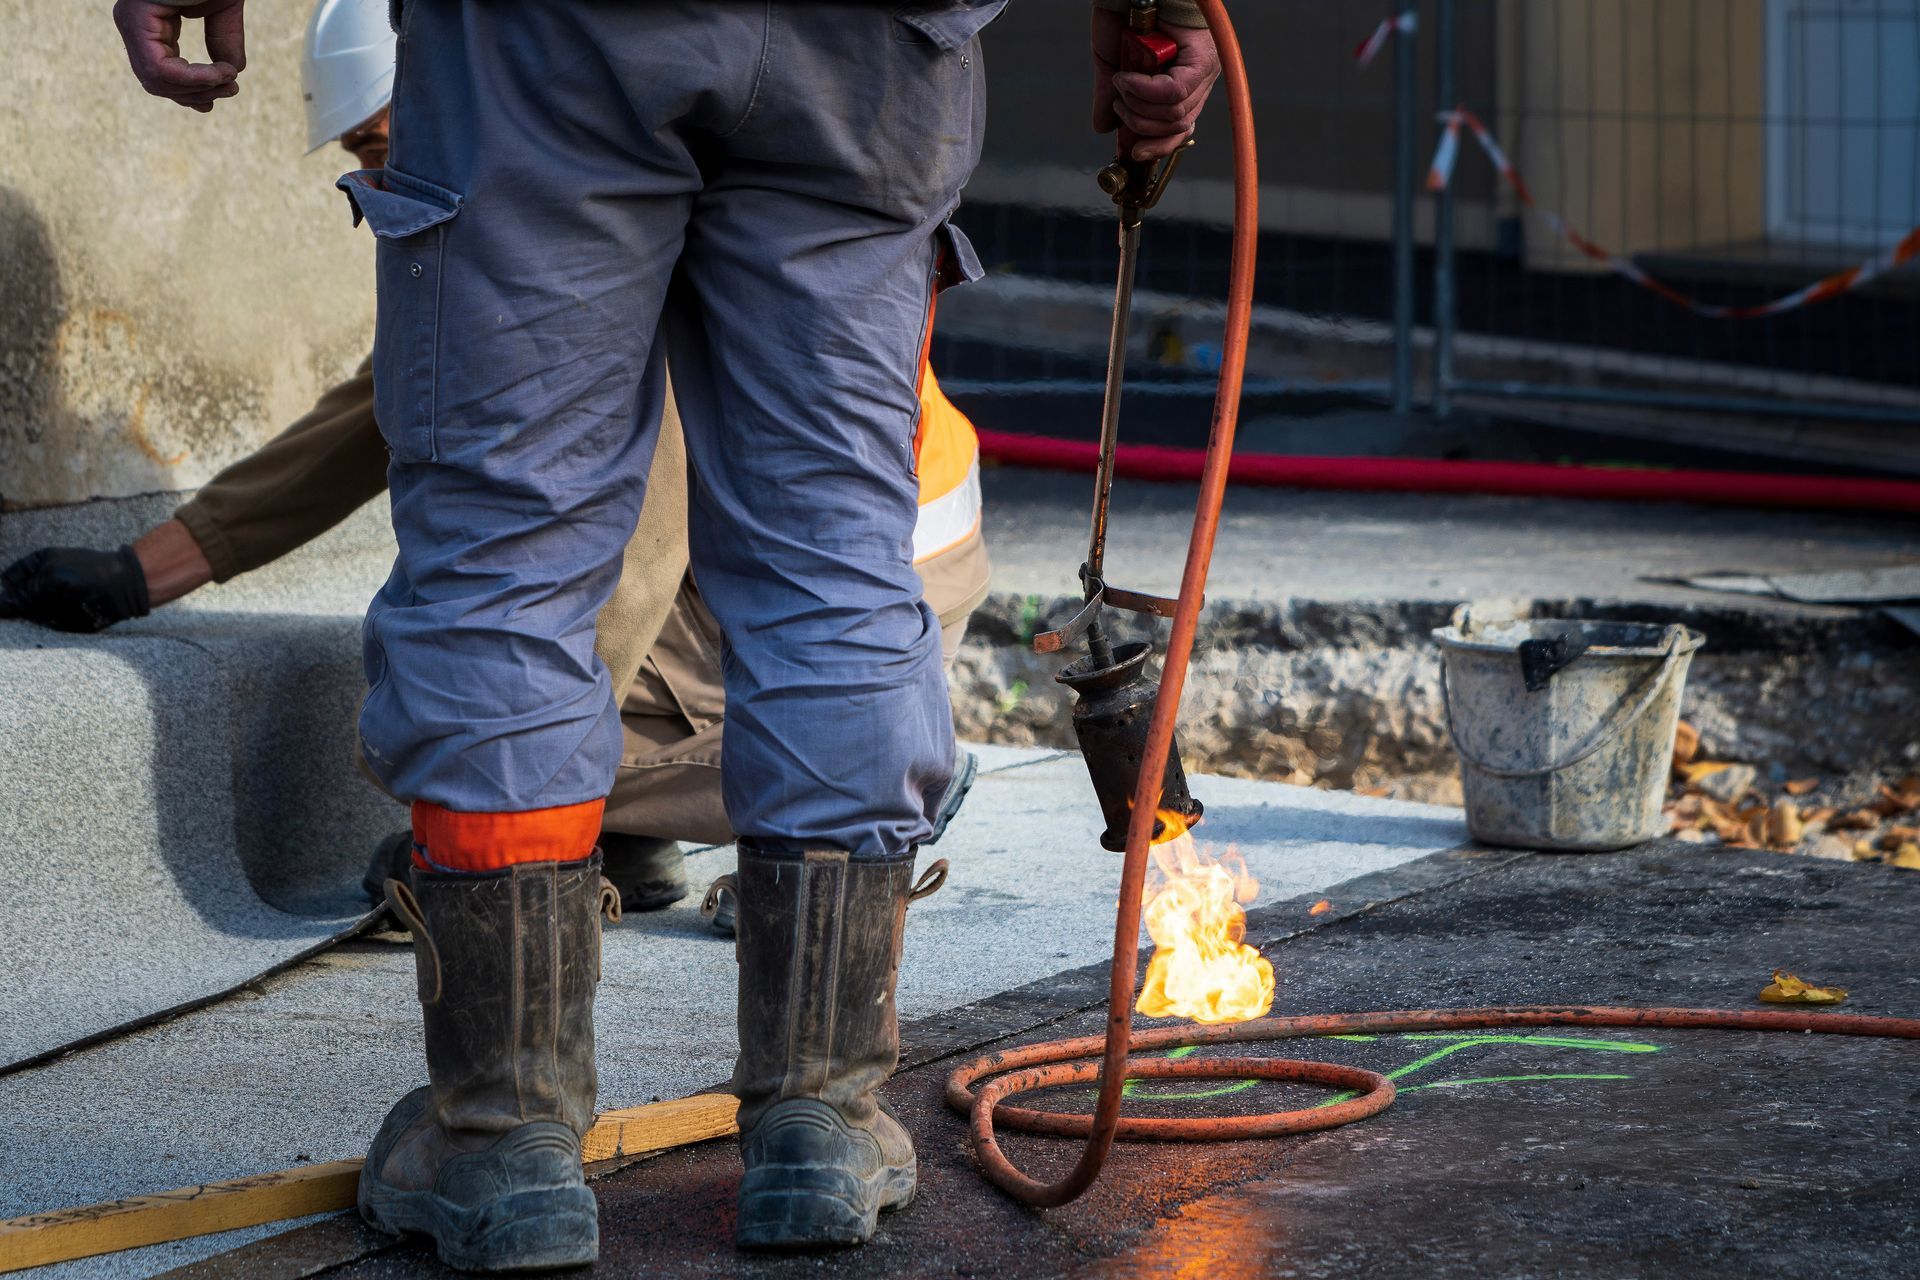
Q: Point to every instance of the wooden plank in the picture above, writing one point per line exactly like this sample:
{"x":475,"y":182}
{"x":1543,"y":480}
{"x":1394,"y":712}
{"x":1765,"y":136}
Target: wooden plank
{"x":660,"y":1126}
{"x":61,"y":1235}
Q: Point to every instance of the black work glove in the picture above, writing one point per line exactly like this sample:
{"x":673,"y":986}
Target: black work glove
{"x":75,"y":588}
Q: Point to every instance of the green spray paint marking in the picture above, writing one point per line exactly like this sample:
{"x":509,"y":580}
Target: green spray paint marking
{"x":1471,"y":1040}
{"x":1128,"y":1089}
{"x":1456,"y":1041}
{"x":1450,"y":1084}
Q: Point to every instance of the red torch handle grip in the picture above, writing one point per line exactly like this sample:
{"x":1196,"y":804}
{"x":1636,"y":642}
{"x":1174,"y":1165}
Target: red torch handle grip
{"x":1144,"y":51}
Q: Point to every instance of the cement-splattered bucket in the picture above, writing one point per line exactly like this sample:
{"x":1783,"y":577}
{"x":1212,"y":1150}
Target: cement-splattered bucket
{"x":1564,"y":728}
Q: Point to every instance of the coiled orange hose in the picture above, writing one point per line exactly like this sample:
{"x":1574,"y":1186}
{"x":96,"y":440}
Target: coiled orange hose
{"x":1061,"y":1062}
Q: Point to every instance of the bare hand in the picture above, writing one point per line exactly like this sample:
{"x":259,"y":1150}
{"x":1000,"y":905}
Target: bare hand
{"x":1159,"y":108}
{"x":151,"y":32}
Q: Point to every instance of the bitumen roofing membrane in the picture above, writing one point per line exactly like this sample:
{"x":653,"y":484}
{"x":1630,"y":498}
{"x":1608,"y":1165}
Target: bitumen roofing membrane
{"x":1568,"y":1152}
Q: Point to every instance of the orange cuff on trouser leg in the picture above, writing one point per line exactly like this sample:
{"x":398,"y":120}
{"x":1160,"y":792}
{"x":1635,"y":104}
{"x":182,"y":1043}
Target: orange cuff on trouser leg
{"x":478,"y":842}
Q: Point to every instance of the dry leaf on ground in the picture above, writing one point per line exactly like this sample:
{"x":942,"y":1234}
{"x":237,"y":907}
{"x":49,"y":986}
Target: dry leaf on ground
{"x":1893,"y":801}
{"x":1857,"y":820}
{"x":1893,"y":837}
{"x":1907,"y":856}
{"x":1863,"y":851}
{"x":1686,"y":743}
{"x":1783,"y":826}
{"x":1320,"y":908}
{"x":1684,"y":813}
{"x":1802,"y":786}
{"x":1787,"y":989}
{"x":1694,"y":770}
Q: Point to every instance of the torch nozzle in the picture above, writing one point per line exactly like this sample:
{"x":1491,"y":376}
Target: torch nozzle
{"x":1110,"y":719}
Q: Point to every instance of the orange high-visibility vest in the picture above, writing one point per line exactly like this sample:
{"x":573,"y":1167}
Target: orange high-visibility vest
{"x":947,"y":454}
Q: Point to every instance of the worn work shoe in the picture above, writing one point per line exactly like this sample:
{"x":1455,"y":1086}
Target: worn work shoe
{"x":819,"y":951}
{"x":485,"y":1160}
{"x":966,"y":767}
{"x":649,"y":872}
{"x":813,"y":1180}
{"x":721,"y":904}
{"x":392,"y":860}
{"x":518,"y":1203}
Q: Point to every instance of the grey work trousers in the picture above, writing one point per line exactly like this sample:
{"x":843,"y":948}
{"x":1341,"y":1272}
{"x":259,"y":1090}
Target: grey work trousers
{"x":576,"y":189}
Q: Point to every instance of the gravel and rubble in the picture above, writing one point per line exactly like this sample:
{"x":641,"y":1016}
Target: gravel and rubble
{"x":1346,"y":695}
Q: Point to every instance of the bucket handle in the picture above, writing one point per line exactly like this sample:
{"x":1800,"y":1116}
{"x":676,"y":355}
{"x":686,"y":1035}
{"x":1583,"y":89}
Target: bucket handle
{"x":1601,"y":734}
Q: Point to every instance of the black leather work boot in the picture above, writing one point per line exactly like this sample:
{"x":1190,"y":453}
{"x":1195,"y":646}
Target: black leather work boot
{"x":649,"y":872}
{"x":819,"y":950}
{"x":486,"y":1158}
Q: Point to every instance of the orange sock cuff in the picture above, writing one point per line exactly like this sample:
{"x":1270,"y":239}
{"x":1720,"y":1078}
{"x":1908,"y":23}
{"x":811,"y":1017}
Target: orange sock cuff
{"x":477,"y":842}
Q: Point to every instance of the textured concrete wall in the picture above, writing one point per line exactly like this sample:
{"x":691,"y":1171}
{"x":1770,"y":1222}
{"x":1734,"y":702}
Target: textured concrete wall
{"x":176,"y":286}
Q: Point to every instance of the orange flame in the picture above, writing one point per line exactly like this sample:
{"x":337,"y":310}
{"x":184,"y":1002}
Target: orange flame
{"x":1201,"y":967}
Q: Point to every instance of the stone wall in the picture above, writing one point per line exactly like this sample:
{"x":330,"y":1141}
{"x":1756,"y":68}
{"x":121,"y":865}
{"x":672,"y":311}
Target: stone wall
{"x":177,"y":286}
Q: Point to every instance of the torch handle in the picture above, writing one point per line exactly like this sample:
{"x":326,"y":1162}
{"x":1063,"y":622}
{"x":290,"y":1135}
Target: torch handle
{"x":1142,"y":49}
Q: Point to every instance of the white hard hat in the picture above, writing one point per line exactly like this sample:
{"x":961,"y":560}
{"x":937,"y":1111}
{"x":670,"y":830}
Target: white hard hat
{"x":346,"y":67}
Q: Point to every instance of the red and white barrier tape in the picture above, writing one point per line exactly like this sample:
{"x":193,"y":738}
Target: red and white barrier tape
{"x":1406,"y":24}
{"x":1440,"y":173}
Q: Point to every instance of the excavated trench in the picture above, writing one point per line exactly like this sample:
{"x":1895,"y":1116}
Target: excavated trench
{"x":1346,"y":695}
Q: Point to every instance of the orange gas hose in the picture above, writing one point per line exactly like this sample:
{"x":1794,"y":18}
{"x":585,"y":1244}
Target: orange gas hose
{"x":1057,"y":1063}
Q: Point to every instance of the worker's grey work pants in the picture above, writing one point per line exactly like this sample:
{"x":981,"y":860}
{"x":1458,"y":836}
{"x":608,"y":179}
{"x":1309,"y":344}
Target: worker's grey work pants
{"x":578,"y":189}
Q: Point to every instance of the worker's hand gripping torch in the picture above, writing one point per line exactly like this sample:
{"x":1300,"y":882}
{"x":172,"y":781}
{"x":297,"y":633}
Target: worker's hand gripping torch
{"x":1116,"y":696}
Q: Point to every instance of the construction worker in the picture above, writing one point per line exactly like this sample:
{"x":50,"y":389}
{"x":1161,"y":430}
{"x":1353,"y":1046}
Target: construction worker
{"x":576,"y":189}
{"x":327,"y":464}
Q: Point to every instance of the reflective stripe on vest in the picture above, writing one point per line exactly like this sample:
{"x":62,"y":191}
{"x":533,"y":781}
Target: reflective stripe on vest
{"x":947,"y":456}
{"x":949,"y":519}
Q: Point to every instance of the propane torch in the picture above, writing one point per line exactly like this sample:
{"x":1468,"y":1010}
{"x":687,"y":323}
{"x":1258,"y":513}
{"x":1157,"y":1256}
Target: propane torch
{"x":1115,"y":694}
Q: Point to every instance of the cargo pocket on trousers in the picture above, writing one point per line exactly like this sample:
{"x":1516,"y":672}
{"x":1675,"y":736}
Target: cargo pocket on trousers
{"x":955,"y":262}
{"x":408,"y":216}
{"x":947,"y":25}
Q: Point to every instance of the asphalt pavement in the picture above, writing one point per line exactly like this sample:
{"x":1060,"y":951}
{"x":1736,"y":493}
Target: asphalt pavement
{"x":1588,"y":1152}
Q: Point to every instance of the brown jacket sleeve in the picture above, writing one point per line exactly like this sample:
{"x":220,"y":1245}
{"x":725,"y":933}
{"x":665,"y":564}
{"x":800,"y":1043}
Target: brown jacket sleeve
{"x":294,"y":488}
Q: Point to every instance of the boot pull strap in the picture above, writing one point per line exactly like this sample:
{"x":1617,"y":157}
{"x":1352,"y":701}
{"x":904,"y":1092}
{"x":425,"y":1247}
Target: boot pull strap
{"x":402,"y":903}
{"x":721,"y":884}
{"x":609,"y":901}
{"x":930,"y":881}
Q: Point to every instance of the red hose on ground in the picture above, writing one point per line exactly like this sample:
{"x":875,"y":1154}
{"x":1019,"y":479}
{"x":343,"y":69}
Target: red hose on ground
{"x":1114,"y":1066}
{"x":1046,"y":1065}
{"x":1438,"y":475}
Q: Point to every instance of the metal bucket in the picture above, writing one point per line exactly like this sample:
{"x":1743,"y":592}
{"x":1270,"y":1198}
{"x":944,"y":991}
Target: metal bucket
{"x":1564,"y":728}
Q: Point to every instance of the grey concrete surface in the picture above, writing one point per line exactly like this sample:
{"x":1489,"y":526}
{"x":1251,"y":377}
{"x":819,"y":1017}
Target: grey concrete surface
{"x":179,"y":793}
{"x":1283,"y":544}
{"x":307,"y":1066}
{"x":286,"y":642}
{"x":125,"y":891}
